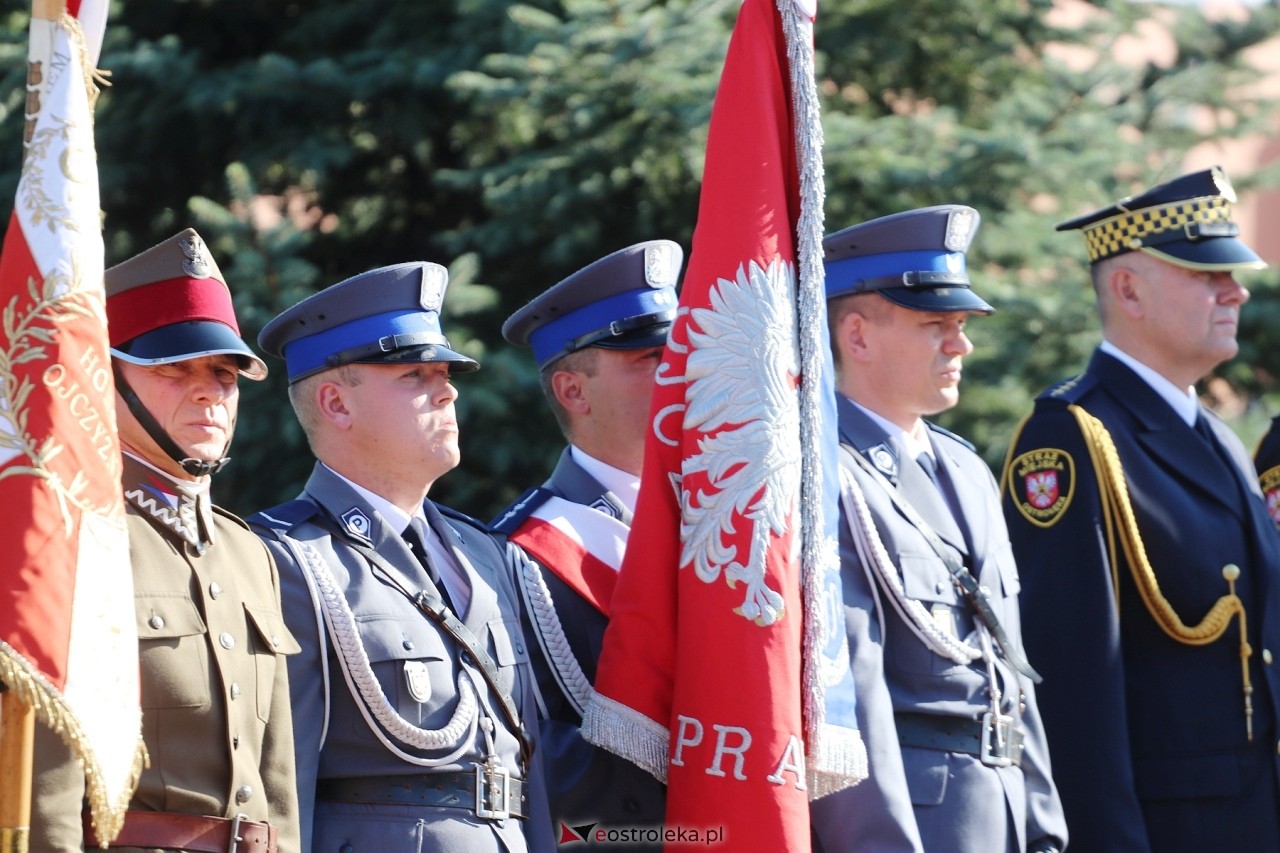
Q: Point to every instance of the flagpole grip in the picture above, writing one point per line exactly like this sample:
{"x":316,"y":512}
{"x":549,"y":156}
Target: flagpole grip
{"x":48,"y":10}
{"x":17,"y":734}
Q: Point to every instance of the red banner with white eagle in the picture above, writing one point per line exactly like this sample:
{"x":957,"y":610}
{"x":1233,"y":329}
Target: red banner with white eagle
{"x":724,"y":669}
{"x":68,"y":645}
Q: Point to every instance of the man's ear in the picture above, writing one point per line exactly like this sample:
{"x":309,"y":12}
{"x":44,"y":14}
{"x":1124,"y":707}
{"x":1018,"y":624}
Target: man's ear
{"x":1126,"y":291}
{"x":567,"y":385}
{"x":333,"y":404}
{"x":851,"y":336}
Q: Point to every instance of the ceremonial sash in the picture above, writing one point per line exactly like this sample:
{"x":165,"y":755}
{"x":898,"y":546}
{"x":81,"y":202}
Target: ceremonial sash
{"x":580,"y":545}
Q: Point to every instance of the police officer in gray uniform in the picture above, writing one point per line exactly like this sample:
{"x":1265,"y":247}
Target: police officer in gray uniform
{"x":946,"y":701}
{"x":598,"y":338}
{"x":414,"y":691}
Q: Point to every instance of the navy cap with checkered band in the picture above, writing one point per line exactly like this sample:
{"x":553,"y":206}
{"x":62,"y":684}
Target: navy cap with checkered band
{"x":1186,"y":222}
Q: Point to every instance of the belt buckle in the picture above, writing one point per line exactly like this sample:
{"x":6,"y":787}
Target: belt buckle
{"x":996,"y":750}
{"x":235,"y":839}
{"x":493,"y":785}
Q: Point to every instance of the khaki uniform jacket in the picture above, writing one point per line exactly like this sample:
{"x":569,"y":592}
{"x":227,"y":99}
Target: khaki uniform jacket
{"x":215,"y":694}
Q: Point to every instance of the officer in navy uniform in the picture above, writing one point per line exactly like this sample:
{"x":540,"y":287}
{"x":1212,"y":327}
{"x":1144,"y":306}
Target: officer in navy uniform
{"x":413,"y":695}
{"x":1151,"y":571}
{"x":1266,"y":459}
{"x":211,"y":639}
{"x":946,"y":700}
{"x":598,"y":338}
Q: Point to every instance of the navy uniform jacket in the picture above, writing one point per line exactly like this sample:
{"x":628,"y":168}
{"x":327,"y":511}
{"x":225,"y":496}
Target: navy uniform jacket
{"x":920,"y":798}
{"x":214,"y":684}
{"x":1267,"y":460}
{"x":586,"y":784}
{"x":1148,"y":734}
{"x":417,"y":668}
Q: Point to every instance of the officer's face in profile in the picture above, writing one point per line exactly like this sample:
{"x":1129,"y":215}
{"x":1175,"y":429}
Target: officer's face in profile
{"x":402,"y":415}
{"x":909,"y":362}
{"x":620,"y":390}
{"x":1189,"y":318}
{"x":194,"y":402}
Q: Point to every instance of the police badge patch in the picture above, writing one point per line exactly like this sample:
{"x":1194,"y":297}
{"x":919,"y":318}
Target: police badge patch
{"x":1270,"y":482}
{"x":1041,"y":483}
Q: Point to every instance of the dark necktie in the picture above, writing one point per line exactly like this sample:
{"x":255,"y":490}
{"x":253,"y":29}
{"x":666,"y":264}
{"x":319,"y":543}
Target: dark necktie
{"x":930,"y":466}
{"x":415,"y":536}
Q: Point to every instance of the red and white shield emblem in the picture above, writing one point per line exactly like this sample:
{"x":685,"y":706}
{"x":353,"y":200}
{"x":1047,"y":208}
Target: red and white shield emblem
{"x":1042,"y":488}
{"x":1047,"y":478}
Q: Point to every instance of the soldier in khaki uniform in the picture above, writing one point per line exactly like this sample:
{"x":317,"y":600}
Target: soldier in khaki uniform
{"x":215,"y":693}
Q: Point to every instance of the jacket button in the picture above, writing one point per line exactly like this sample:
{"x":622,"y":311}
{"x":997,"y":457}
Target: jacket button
{"x":214,"y":590}
{"x":227,"y":641}
{"x":235,"y":690}
{"x":156,"y":621}
{"x":1266,"y":656}
{"x":244,"y":794}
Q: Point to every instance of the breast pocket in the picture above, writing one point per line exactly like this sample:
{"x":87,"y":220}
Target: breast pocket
{"x":508,"y":648}
{"x":173,"y":652}
{"x":415,"y":666}
{"x":269,"y":640}
{"x":925,"y":580}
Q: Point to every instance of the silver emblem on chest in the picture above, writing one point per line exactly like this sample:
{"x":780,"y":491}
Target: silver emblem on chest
{"x":418,"y":680}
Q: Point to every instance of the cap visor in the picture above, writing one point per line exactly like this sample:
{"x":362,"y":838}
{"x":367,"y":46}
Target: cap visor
{"x":939,"y":299}
{"x":188,"y":340}
{"x":653,"y":336}
{"x":1219,"y":253}
{"x":427,"y":354}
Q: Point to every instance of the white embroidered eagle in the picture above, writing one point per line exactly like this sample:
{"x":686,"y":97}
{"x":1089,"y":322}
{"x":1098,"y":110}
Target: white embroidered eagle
{"x":740,"y":381}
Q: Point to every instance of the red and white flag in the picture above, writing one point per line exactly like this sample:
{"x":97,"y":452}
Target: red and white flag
{"x":68,"y":644}
{"x":725,"y":669}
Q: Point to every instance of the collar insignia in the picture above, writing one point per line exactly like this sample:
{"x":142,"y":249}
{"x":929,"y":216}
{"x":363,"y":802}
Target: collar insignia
{"x":357,"y":523}
{"x":882,"y":457}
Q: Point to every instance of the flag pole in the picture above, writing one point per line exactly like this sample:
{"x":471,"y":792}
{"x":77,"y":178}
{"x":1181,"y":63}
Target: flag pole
{"x":17,"y":732}
{"x":17,"y":718}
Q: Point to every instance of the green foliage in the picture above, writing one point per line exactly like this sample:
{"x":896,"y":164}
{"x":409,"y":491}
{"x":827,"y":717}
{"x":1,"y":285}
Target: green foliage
{"x":516,"y":142}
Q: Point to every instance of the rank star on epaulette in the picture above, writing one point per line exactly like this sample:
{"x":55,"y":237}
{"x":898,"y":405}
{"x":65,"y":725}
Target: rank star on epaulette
{"x":1041,"y":485}
{"x":1270,"y":482}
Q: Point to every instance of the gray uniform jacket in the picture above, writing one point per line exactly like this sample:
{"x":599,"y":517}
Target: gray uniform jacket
{"x":421,"y":677}
{"x":924,"y":798}
{"x":586,"y":784}
{"x":215,"y":692}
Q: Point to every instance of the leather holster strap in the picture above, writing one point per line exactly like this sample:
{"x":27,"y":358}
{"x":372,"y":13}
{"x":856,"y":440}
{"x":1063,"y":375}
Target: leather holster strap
{"x":175,"y":831}
{"x":455,"y":790}
{"x":950,"y":734}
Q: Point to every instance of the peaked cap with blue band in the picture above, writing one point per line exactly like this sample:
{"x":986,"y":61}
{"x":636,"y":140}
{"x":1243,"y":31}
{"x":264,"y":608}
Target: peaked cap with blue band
{"x":1186,"y":222}
{"x":915,"y":259}
{"x":626,"y":300}
{"x":389,"y":315}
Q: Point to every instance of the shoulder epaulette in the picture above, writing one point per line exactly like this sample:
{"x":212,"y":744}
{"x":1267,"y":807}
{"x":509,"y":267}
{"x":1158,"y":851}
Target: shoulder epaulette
{"x":284,"y":517}
{"x":514,"y":515}
{"x":1068,"y":391}
{"x":951,"y":435}
{"x":455,"y":515}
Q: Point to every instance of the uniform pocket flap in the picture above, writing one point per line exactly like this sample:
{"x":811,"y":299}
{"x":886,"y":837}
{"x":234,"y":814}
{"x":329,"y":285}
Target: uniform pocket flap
{"x":387,"y":639}
{"x":925,"y":578}
{"x":167,"y":616}
{"x":272,"y":631}
{"x":508,"y":643}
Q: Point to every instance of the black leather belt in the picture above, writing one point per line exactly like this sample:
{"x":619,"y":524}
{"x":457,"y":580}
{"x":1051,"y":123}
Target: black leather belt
{"x":996,"y":741}
{"x":486,"y":793}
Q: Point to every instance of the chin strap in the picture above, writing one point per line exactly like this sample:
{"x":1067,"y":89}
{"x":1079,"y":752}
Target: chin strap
{"x":194,"y":467}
